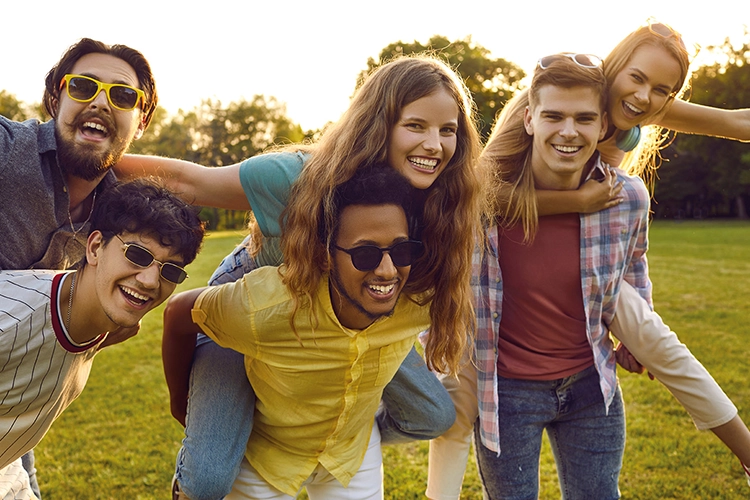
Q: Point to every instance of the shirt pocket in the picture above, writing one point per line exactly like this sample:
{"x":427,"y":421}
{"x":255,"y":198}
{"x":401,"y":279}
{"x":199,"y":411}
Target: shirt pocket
{"x":389,"y":361}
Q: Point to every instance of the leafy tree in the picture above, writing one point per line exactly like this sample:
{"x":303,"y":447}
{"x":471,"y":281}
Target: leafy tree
{"x":214,"y":135}
{"x":720,"y":168}
{"x":12,"y":108}
{"x":491,"y":81}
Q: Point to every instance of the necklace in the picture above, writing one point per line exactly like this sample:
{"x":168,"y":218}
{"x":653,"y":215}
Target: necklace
{"x":70,"y":299}
{"x":91,"y":211}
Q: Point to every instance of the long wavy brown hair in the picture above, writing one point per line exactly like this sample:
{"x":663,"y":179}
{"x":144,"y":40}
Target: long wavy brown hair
{"x":505,"y":162}
{"x":450,"y":211}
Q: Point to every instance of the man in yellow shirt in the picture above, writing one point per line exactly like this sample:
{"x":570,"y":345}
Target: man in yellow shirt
{"x":318,"y":364}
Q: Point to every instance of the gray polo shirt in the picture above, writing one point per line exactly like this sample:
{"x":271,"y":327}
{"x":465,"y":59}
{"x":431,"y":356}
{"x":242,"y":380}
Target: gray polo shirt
{"x":35,"y":228}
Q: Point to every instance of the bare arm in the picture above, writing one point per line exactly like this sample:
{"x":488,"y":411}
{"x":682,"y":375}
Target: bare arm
{"x":694,"y":118}
{"x":218,"y":187}
{"x":592,"y":196}
{"x":177,"y":348}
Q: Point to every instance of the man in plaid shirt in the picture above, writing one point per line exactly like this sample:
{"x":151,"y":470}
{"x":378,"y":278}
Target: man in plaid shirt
{"x":543,"y":353}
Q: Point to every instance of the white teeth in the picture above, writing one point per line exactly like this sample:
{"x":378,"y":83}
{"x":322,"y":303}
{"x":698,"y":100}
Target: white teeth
{"x":632,"y":108}
{"x":430,"y":163}
{"x":134,"y":294}
{"x":567,"y":149}
{"x":382,"y":289}
{"x":96,"y":126}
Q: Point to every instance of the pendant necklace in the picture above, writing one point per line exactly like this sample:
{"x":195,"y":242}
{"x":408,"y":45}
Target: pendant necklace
{"x":70,"y":219}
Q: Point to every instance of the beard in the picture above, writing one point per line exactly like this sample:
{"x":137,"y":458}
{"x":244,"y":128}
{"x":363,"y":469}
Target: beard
{"x":338,"y":286}
{"x":85,"y":161}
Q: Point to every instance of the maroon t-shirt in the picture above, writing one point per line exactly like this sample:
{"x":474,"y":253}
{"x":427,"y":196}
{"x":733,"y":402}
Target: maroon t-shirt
{"x":543,"y":327}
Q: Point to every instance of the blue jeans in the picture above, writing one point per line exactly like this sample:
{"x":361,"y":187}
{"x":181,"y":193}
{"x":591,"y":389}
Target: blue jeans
{"x":587,"y":441}
{"x":221,"y":404}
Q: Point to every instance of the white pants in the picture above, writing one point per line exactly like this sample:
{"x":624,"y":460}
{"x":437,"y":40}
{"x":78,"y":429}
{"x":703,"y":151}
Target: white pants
{"x":14,"y":483}
{"x":367,"y":483}
{"x":649,"y":340}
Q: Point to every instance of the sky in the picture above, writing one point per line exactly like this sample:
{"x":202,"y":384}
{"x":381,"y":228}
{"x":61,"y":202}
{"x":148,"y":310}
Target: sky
{"x":308,"y":54}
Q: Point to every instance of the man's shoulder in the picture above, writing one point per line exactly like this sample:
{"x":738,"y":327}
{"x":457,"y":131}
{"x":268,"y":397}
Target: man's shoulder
{"x":22,"y":293}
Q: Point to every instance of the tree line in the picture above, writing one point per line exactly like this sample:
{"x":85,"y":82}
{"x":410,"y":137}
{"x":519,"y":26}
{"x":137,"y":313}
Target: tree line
{"x":699,"y":176}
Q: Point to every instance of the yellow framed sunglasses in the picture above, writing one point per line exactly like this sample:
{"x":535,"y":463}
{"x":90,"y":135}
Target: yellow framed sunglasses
{"x":85,"y":89}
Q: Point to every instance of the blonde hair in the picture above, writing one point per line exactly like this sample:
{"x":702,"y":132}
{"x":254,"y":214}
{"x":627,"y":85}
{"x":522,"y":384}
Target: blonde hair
{"x":505,"y":163}
{"x":645,"y":159}
{"x":450,"y":213}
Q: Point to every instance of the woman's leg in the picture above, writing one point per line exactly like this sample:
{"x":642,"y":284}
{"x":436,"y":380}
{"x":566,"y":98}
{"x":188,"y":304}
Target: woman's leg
{"x":449,"y":453}
{"x":415,"y":406}
{"x":221,"y":404}
{"x":659,"y":350}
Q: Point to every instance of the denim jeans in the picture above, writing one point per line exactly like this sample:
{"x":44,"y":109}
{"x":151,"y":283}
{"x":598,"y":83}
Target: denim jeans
{"x":587,"y":441}
{"x":221,"y":403}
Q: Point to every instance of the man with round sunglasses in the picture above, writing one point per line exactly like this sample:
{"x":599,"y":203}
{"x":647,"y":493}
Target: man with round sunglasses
{"x":318,"y":364}
{"x":56,"y":321}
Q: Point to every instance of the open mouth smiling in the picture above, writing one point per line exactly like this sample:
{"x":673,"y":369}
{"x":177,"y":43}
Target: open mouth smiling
{"x":426,"y":164}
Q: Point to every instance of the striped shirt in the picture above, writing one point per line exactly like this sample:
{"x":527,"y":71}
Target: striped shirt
{"x":42,"y":370}
{"x":613,"y":248}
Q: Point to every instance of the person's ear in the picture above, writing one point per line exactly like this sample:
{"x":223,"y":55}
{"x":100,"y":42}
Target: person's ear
{"x":141,"y":128}
{"x":605,"y":125}
{"x":94,"y":247}
{"x":527,"y":121}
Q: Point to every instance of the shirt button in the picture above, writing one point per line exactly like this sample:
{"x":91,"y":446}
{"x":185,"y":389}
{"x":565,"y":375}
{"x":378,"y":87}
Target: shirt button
{"x":494,"y":315}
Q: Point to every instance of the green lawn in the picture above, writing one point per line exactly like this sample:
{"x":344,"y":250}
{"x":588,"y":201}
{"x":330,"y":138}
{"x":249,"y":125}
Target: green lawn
{"x":118,"y":440}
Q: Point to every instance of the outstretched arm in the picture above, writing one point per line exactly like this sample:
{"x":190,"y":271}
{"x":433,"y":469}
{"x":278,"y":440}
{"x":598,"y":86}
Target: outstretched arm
{"x":592,"y":196}
{"x":218,"y":187}
{"x":178,"y":346}
{"x":694,"y":118}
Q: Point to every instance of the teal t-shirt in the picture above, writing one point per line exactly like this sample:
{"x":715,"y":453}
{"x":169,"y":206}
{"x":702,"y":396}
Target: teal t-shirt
{"x":267,"y":180}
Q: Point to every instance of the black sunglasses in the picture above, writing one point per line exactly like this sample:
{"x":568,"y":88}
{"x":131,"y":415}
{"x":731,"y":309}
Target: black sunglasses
{"x":142,"y":257}
{"x":368,"y":257}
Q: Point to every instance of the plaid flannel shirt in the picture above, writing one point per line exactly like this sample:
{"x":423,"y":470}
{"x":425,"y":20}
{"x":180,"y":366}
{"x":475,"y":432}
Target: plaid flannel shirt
{"x":613,"y":248}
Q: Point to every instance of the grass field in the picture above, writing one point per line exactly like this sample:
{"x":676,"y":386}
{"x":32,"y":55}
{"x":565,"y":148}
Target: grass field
{"x":118,"y":440}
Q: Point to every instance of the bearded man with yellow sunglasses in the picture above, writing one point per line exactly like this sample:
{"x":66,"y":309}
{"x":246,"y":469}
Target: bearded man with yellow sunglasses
{"x":100,"y":98}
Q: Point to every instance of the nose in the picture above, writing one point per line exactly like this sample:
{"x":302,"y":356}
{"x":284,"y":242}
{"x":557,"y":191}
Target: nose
{"x":100,"y":100}
{"x":386,"y":270}
{"x":641,"y":94}
{"x":431,"y":142}
{"x":150,"y":276}
{"x":569,"y":129}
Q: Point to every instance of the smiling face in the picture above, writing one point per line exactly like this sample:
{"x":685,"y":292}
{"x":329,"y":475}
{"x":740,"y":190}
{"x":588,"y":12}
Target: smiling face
{"x":566,"y":125}
{"x":643,"y":86}
{"x":361,"y":297}
{"x":423,"y":140}
{"x":92,"y":136}
{"x":124,"y":291}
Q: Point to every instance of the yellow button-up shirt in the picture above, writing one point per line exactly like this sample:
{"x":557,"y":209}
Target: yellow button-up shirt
{"x":316,"y":400}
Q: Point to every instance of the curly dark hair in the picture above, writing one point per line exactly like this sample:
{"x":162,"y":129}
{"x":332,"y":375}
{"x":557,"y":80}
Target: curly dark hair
{"x":145,"y":206}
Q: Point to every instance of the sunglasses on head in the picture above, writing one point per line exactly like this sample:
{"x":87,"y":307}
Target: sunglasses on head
{"x":666,"y":31}
{"x":142,"y":257}
{"x":85,"y":89}
{"x":368,"y":257}
{"x":583,"y":60}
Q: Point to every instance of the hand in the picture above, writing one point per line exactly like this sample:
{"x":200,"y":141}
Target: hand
{"x":601,"y":195}
{"x":178,"y":407}
{"x":120,"y":335}
{"x":627,"y":360}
